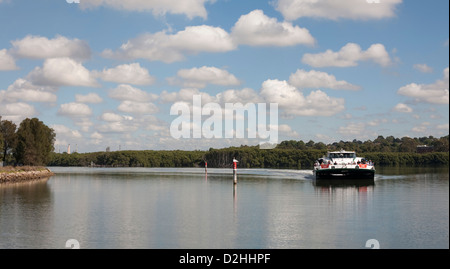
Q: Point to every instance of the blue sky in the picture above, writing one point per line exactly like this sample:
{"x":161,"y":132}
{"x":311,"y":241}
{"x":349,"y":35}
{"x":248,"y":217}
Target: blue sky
{"x":106,"y":72}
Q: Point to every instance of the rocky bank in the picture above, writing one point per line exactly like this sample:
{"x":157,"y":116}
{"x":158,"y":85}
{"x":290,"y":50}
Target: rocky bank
{"x":22,"y":176}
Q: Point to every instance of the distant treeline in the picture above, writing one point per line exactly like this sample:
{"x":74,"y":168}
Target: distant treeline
{"x":144,"y":158}
{"x":380,"y":144}
{"x":287,"y":155}
{"x":251,"y":157}
{"x":248,"y":157}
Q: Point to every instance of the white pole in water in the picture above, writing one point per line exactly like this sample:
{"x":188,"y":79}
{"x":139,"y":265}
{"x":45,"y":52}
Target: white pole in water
{"x":235,"y":170}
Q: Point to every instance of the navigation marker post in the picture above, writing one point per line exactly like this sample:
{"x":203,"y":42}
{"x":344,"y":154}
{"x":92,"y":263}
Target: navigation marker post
{"x":235,"y":170}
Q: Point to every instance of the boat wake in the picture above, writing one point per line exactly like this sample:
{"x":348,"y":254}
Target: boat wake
{"x":276,"y":173}
{"x":389,"y":177}
{"x":243,"y":173}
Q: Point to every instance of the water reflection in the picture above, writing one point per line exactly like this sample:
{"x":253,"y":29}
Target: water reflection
{"x":333,"y":183}
{"x":33,"y":191}
{"x":25,"y":214}
{"x":345,"y":191}
{"x":346,"y":205}
{"x":187,"y":208}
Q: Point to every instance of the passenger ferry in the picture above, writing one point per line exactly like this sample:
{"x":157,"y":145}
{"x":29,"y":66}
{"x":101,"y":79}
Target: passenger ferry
{"x":343,"y":165}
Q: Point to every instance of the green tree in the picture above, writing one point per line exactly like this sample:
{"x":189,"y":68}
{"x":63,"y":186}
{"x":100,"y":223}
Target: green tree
{"x":441,"y":145}
{"x":8,"y":134}
{"x":35,"y":142}
{"x":408,"y":145}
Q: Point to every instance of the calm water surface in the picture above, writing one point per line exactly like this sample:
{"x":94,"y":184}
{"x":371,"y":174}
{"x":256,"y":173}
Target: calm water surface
{"x":184,"y":208}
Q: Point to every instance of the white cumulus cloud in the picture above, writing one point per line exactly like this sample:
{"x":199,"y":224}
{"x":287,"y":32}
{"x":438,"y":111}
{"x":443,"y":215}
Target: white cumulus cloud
{"x":63,"y":131}
{"x":333,"y":10}
{"x":24,"y":90}
{"x":424,"y":68}
{"x":7,"y":62}
{"x":185,"y":96}
{"x":435,"y":93}
{"x":130,"y":93}
{"x":126,"y":74}
{"x":75,"y":110}
{"x":352,"y":129}
{"x":112,"y":117}
{"x":91,"y":98}
{"x":38,"y":47}
{"x":349,"y":55}
{"x":286,"y":130}
{"x":318,"y":79}
{"x":257,"y":29}
{"x":96,"y":136}
{"x":200,"y":77}
{"x":170,"y":48}
{"x":243,"y":96}
{"x":403,"y":108}
{"x":134,"y":107}
{"x":117,"y":127}
{"x":294,"y":103}
{"x":116,"y":123}
{"x":62,"y":72}
{"x":17,"y":111}
{"x":190,"y":8}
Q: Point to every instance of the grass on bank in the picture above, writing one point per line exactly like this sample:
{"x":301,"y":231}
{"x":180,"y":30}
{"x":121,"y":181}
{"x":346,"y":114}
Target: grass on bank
{"x":18,"y":169}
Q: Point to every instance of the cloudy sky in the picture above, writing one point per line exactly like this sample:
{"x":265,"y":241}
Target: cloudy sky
{"x":106,"y":72}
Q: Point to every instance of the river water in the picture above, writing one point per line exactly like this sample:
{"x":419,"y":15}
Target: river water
{"x":153,"y":208}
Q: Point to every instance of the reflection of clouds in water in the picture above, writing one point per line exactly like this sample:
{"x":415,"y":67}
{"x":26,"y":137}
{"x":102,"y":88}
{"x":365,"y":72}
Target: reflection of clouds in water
{"x":26,"y":213}
{"x":268,"y":208}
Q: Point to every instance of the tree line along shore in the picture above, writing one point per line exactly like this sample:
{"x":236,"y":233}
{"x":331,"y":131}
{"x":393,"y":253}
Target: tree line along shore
{"x":287,"y":155}
{"x":26,"y":149}
{"x":247,"y":157}
{"x":389,"y":151}
{"x":32,"y":143}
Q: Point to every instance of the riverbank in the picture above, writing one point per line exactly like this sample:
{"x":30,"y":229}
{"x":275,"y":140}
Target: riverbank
{"x":248,"y":157}
{"x":21,"y":174}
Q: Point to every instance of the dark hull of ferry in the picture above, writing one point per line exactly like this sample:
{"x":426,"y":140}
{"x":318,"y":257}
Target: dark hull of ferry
{"x":344,"y":174}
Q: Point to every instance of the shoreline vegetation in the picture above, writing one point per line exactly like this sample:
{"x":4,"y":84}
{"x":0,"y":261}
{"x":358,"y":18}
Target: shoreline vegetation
{"x":292,"y":154}
{"x":10,"y":174}
{"x":30,"y":148}
{"x":248,"y":157}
